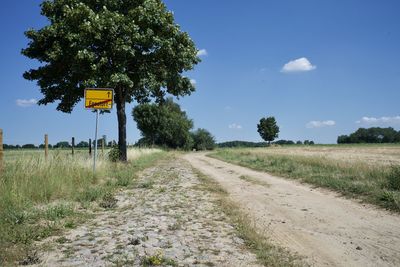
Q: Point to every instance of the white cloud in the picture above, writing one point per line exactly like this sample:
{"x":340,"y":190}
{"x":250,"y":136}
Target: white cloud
{"x":320,"y":124}
{"x":202,"y":52}
{"x":235,"y":126}
{"x":26,"y":102}
{"x":227,"y":108}
{"x":193,"y":81}
{"x":298,"y":65}
{"x":379,"y":121}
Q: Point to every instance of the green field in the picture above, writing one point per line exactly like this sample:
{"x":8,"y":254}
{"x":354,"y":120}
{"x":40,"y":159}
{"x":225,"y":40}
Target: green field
{"x":39,"y":198}
{"x":370,"y":173}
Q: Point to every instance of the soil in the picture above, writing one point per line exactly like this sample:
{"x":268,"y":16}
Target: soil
{"x":326,"y":228}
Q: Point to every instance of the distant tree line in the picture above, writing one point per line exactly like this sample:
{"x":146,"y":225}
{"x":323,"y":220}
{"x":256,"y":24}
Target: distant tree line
{"x":241,"y":144}
{"x":371,"y":135}
{"x":62,"y":144}
{"x":262,"y":144}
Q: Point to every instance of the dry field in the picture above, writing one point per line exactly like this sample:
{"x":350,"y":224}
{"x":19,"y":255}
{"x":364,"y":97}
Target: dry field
{"x":370,"y":154}
{"x":322,"y":225}
{"x":370,"y":173}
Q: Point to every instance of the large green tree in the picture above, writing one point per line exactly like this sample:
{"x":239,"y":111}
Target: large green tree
{"x":133,"y":46}
{"x":164,"y":124}
{"x":203,"y":140}
{"x":268,"y":129}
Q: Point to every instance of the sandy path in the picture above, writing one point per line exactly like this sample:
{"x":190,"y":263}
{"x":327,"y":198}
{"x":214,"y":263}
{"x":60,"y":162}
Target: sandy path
{"x":316,"y":223}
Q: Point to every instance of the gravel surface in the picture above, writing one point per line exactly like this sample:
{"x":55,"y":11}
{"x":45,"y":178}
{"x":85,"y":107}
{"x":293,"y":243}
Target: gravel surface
{"x":165,"y":219}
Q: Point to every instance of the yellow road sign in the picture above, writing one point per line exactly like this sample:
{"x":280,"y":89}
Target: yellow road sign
{"x":99,"y":98}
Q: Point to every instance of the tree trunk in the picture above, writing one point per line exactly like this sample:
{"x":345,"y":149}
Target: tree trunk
{"x":120,"y":101}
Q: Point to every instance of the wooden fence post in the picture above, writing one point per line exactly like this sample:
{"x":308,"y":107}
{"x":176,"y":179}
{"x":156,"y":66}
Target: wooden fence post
{"x":73,"y":145}
{"x":46,"y":146}
{"x":90,"y":147}
{"x":1,"y":150}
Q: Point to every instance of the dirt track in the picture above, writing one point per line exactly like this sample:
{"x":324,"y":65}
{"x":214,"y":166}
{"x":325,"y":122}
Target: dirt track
{"x":329,"y":230}
{"x":165,"y":218}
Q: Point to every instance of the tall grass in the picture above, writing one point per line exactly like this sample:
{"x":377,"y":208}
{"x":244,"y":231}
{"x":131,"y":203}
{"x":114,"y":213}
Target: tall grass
{"x":375,"y":184}
{"x":40,"y":197}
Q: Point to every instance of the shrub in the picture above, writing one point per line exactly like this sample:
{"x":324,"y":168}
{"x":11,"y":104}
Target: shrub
{"x":114,"y":154}
{"x":108,"y":201}
{"x":203,"y":140}
{"x":393,"y":178}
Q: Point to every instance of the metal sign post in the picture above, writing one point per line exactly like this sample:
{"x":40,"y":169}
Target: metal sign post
{"x":95,"y":141}
{"x":95,"y":99}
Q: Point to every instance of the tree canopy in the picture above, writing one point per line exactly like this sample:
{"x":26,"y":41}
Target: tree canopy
{"x":163,"y":124}
{"x":134,"y":47}
{"x":268,"y":129}
{"x":371,"y":135}
{"x":203,"y":140}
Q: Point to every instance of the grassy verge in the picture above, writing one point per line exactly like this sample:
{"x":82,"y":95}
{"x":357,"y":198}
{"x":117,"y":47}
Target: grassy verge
{"x":40,"y":198}
{"x":377,"y":185}
{"x":266,"y":253}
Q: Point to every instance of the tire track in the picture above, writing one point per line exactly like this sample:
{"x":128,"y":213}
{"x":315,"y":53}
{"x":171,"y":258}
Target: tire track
{"x":317,"y":223}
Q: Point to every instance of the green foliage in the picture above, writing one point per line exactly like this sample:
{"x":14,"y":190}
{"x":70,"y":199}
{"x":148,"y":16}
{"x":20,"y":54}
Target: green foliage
{"x":82,"y":144}
{"x":62,"y":144}
{"x":57,"y":212}
{"x":241,"y":144}
{"x":371,"y":135}
{"x":203,"y":140}
{"x":284,"y":142}
{"x":134,"y":47}
{"x":113,"y":154}
{"x":268,"y":129}
{"x":157,"y":259}
{"x":29,"y":146}
{"x":163,"y":124}
{"x":394,"y":178}
{"x":90,"y":194}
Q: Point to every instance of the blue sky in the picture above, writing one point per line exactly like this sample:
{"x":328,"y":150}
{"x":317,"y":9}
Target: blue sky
{"x":322,"y":68}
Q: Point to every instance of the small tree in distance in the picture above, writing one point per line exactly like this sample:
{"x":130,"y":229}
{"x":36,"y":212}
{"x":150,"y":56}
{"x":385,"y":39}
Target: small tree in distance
{"x":268,"y":129}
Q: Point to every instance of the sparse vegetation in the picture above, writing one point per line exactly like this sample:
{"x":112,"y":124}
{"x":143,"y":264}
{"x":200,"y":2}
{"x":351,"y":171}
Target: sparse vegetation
{"x":157,"y":260}
{"x":376,"y":184}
